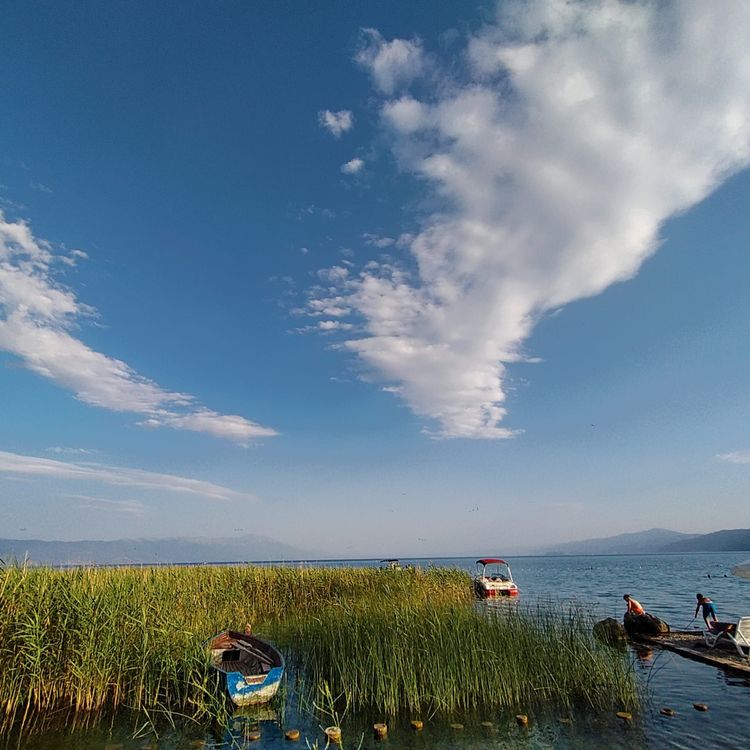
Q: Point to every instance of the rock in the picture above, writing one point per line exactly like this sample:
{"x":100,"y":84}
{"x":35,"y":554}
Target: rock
{"x":457,"y":726}
{"x":610,"y":631}
{"x":522,"y":719}
{"x":646,"y":624}
{"x":700,"y":706}
{"x":667,"y":712}
{"x":488,"y":724}
{"x":333,"y":734}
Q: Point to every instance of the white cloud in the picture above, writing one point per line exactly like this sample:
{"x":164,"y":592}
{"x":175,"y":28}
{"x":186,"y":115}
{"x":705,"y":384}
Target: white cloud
{"x":336,"y":123}
{"x":353,"y":166}
{"x":375,"y":240}
{"x":391,"y":64}
{"x":735,"y":457}
{"x":15,"y":464}
{"x":37,"y":317}
{"x":576,"y":131}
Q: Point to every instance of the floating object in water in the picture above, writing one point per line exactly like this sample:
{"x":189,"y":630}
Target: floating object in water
{"x":333,"y":734}
{"x":380,"y":729}
{"x":457,"y":726}
{"x":624,"y":715}
{"x":522,"y":719}
{"x":488,"y":724}
{"x":700,"y":706}
{"x":493,"y":579}
{"x":667,"y":712}
{"x":252,"y":667}
{"x":416,"y":724}
{"x":291,"y":734}
{"x":253,"y":736}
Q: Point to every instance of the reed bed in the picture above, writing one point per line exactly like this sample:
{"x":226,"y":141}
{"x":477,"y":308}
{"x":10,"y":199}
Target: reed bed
{"x":431,"y":658}
{"x":79,"y":644}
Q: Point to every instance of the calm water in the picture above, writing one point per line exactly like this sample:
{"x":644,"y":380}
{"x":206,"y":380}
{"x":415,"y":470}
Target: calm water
{"x":665,"y":585}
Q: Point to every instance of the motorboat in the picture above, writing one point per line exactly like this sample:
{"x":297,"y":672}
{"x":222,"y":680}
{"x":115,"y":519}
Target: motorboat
{"x":493,"y":579}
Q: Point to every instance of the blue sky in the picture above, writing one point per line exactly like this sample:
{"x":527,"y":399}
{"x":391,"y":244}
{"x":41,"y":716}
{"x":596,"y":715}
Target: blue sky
{"x":374,"y":278}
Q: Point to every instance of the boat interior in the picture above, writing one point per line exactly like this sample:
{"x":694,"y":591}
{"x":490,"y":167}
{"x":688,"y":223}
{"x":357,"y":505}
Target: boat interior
{"x":237,"y":652}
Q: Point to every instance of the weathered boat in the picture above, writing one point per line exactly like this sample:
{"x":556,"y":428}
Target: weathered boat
{"x":493,"y":579}
{"x":253,"y":668}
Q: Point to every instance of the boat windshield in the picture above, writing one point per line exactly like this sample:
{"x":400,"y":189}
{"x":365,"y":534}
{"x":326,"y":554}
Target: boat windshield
{"x":495,"y":571}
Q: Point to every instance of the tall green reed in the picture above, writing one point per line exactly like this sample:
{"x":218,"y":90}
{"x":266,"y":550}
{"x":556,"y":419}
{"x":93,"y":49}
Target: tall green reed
{"x":77,"y":643}
{"x":429,"y":657}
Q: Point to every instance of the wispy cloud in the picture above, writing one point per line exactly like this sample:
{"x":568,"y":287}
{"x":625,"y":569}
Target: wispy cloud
{"x":336,"y":123}
{"x":735,"y":457}
{"x":130,"y":507}
{"x":353,"y":166}
{"x":572,"y":133}
{"x":16,"y":464}
{"x":38,"y":318}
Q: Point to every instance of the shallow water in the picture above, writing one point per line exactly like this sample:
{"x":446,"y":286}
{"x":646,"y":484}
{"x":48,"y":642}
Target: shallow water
{"x":665,"y":585}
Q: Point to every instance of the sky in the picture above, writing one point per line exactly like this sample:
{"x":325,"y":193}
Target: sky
{"x":374,"y":279}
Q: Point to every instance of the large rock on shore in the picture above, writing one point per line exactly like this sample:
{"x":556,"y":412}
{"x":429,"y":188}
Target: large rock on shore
{"x":646,"y":624}
{"x":610,"y":631}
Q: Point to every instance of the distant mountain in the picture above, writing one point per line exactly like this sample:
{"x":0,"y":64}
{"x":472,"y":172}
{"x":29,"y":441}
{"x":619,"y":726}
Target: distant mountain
{"x":641,"y":542}
{"x":729,"y":540}
{"x":149,"y":551}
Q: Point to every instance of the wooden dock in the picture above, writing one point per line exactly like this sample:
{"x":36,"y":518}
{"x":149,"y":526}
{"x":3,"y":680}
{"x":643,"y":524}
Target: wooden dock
{"x":689,"y":643}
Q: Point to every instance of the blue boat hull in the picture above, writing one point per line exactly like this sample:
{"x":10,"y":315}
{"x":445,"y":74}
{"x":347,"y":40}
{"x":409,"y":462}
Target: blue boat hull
{"x":250,"y":691}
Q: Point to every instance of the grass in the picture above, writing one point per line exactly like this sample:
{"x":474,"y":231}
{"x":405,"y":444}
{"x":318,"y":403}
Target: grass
{"x":446,"y":658}
{"x":79,"y":644}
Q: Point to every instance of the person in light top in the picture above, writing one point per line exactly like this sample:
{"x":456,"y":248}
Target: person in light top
{"x":634,"y":606}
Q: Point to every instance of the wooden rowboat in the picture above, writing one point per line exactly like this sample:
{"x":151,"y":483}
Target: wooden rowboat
{"x":253,"y":667}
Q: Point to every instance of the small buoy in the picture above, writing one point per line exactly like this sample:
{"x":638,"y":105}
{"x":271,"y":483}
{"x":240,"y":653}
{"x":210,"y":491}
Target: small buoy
{"x":333,"y":734}
{"x":380,"y":729}
{"x":253,"y":736}
{"x":667,"y":712}
{"x":522,"y":719}
{"x":292,"y":734}
{"x":416,"y":724}
{"x":700,"y":706}
{"x":624,"y":715}
{"x":457,"y":726}
{"x":488,"y":724}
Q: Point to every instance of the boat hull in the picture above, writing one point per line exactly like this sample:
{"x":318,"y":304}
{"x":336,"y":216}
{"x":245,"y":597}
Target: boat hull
{"x":248,"y":691}
{"x":485,"y":593}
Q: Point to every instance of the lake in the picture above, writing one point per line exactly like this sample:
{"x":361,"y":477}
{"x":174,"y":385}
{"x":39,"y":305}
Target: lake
{"x":665,"y":584}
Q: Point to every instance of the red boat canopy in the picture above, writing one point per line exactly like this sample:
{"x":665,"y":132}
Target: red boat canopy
{"x":490,"y":560}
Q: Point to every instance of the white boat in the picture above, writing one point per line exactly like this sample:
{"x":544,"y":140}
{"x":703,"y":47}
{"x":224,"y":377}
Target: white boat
{"x":493,"y":579}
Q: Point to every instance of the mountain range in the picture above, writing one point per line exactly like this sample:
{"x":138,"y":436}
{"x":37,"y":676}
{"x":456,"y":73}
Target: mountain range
{"x":150,"y":551}
{"x":657,"y":541}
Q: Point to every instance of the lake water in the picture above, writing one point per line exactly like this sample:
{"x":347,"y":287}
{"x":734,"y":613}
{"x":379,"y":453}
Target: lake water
{"x":665,"y":585}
